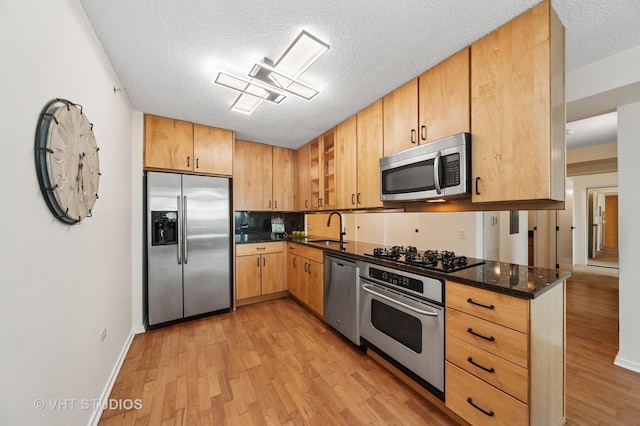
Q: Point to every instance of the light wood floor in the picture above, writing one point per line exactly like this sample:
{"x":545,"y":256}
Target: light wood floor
{"x":275,"y":363}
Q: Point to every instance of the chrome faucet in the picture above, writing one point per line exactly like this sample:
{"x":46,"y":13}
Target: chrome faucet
{"x":342,"y":234}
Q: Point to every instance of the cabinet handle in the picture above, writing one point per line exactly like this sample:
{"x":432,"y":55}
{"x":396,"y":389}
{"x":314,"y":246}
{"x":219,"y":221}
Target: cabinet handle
{"x":261,"y":248}
{"x":275,"y":204}
{"x":488,"y":370}
{"x":295,"y":264}
{"x":353,"y":199}
{"x":269,"y":203}
{"x":489,"y":413}
{"x":308,"y":268}
{"x":197,"y":163}
{"x":490,"y":338}
{"x":264,"y":261}
{"x":305,"y":266}
{"x":306,"y":204}
{"x":358,"y":199}
{"x":477,"y":180}
{"x":188,"y":161}
{"x":423,"y":132}
{"x":258,"y":264}
{"x":470,"y":300}
{"x":413,"y":135}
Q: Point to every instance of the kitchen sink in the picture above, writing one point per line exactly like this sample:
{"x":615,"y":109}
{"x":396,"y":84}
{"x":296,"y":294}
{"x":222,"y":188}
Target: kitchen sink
{"x":326,"y":241}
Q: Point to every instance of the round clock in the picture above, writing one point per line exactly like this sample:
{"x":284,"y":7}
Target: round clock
{"x":67,"y":161}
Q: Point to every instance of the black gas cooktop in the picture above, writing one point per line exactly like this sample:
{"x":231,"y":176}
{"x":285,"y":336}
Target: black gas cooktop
{"x":444,"y":261}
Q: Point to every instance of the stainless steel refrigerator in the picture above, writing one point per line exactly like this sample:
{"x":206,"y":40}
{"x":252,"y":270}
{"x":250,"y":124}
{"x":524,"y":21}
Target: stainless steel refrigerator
{"x":188,"y":252}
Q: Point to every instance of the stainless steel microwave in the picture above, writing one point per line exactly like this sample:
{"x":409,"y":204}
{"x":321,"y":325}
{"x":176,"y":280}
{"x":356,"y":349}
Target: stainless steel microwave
{"x":439,"y":169}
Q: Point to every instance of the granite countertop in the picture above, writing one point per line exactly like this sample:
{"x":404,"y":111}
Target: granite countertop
{"x":258,"y":237}
{"x":516,"y":280}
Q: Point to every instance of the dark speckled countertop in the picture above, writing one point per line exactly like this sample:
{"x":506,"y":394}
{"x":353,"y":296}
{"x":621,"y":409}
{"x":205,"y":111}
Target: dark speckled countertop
{"x":516,"y":280}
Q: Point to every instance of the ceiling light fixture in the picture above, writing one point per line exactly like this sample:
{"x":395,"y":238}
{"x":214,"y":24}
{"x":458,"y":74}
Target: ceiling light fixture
{"x":269,"y":79}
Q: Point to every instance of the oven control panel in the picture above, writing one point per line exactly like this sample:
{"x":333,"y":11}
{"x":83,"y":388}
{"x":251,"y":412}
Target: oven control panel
{"x":396,"y":279}
{"x":419,"y":285}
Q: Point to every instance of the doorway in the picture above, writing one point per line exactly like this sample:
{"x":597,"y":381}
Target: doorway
{"x":602,"y":223}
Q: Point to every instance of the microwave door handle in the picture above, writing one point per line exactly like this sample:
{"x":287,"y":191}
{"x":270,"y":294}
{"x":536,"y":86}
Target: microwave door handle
{"x":436,"y":172}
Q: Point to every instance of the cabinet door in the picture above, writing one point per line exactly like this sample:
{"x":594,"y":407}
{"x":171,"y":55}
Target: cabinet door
{"x":370,"y":150}
{"x":519,"y":156}
{"x":213,"y":150}
{"x":302,"y":280}
{"x":346,"y":163}
{"x":315,"y":274}
{"x":252,"y":176}
{"x":168,"y":144}
{"x":293,"y":265}
{"x":303,"y":199}
{"x":248,"y":276}
{"x":283,"y":178}
{"x":444,"y":98}
{"x":273,"y":273}
{"x":401,"y":118}
{"x":328,"y":160}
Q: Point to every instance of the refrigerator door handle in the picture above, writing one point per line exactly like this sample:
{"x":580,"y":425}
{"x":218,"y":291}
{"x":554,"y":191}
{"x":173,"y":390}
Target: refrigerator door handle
{"x":184,"y":230}
{"x":179,"y":246}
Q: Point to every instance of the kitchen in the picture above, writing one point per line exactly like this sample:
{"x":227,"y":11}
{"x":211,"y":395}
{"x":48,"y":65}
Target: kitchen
{"x":60,"y":302}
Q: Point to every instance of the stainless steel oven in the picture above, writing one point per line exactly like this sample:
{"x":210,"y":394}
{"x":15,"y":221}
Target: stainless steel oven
{"x":402,"y":319}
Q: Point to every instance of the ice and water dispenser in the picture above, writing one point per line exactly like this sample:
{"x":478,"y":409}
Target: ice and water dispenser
{"x":164,"y":228}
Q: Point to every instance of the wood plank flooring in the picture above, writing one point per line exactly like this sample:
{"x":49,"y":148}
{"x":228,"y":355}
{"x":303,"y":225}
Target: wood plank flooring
{"x":266,"y":364}
{"x":275,"y":363}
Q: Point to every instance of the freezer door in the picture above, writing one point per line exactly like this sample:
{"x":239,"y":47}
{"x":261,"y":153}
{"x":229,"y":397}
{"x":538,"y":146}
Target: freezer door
{"x":206,"y":255}
{"x":164,"y":274}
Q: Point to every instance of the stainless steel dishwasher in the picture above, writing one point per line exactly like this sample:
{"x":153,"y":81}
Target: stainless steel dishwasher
{"x":341,"y":295}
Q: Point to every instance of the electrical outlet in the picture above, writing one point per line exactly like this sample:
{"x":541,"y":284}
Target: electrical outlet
{"x":103,"y":334}
{"x":462,"y":234}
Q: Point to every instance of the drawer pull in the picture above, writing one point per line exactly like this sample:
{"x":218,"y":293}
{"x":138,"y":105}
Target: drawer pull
{"x":470,"y":300}
{"x":488,"y":370}
{"x":261,"y":248}
{"x":489,"y":413}
{"x":490,"y":338}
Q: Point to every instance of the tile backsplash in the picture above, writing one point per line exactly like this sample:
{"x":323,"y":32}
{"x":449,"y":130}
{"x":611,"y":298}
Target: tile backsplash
{"x":259,"y":223}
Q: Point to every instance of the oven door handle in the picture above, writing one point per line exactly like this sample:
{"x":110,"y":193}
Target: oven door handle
{"x":397,"y":302}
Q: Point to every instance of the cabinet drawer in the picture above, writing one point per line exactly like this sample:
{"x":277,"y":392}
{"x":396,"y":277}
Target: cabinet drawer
{"x":259,"y":248}
{"x":464,"y":389}
{"x":501,"y":341}
{"x":307,"y":252}
{"x":504,"y":375}
{"x":500,"y":308}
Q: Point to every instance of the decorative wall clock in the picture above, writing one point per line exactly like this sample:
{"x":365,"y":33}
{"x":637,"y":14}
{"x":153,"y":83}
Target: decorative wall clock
{"x":67,"y":161}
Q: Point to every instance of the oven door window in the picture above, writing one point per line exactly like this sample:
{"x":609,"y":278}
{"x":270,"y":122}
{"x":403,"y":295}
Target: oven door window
{"x":414,"y":177}
{"x":403,"y":328}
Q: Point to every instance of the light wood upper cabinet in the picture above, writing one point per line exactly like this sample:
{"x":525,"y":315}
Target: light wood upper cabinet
{"x":358,"y":150}
{"x":303,"y":199}
{"x":321,"y":178}
{"x":444,"y":104}
{"x":168,"y":144}
{"x":283,"y":169}
{"x":212,"y":150}
{"x":517,"y":110}
{"x":186,"y":147}
{"x":346,"y":164}
{"x":370,"y":149}
{"x":401,"y":118}
{"x":263,"y":177}
{"x":252,"y":176}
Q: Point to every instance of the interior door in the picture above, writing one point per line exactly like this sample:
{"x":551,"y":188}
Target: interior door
{"x":565,"y":234}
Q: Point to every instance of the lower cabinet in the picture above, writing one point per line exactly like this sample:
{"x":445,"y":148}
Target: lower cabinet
{"x":505,"y":357}
{"x":259,"y":270}
{"x":305,"y":275}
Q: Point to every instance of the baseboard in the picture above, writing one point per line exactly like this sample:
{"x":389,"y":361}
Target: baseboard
{"x":95,"y":418}
{"x":625,"y":363}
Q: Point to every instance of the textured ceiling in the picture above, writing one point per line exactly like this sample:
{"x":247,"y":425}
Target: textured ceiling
{"x":166,"y":52}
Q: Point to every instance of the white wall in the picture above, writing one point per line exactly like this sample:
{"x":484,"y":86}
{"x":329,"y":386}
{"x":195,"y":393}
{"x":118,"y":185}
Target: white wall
{"x":580,"y":206}
{"x":439,"y":231}
{"x":629,"y":235}
{"x":514,"y":247}
{"x":59,"y":285}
